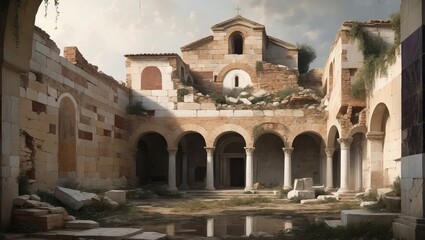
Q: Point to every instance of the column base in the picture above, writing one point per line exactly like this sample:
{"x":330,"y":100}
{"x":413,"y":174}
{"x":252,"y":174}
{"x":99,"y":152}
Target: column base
{"x":173,"y":189}
{"x":329,"y":189}
{"x":184,"y":187}
{"x":409,"y":228}
{"x":209,"y":188}
{"x":247,"y":189}
{"x":287,"y":187}
{"x":345,"y":190}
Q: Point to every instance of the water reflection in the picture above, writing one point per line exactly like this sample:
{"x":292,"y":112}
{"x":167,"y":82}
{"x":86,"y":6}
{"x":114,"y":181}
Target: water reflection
{"x":219,"y":226}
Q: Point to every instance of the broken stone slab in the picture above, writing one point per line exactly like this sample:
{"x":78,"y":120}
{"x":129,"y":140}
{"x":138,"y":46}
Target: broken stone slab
{"x":35,"y":197}
{"x":260,"y":93}
{"x":82,"y":224}
{"x":73,"y":198}
{"x":366,"y":204}
{"x":301,"y":194}
{"x":29,"y":211}
{"x":261,"y":235}
{"x":110,"y":202}
{"x":149,"y":236}
{"x":118,"y":196}
{"x":311,"y":201}
{"x":231,"y":100}
{"x":34,"y":204}
{"x":245,"y":101}
{"x":360,"y":195}
{"x":327,"y":198}
{"x":383,"y":191}
{"x":20,"y":201}
{"x":109,"y":233}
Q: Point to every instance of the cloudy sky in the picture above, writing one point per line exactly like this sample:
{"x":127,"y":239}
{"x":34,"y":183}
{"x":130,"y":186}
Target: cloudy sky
{"x":105,"y":30}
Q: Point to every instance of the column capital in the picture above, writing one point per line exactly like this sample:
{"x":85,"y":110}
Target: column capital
{"x":288,"y":150}
{"x":209,"y":150}
{"x":172,"y":150}
{"x":375,"y":135}
{"x":249,"y":150}
{"x":345,"y":142}
{"x":329,"y":152}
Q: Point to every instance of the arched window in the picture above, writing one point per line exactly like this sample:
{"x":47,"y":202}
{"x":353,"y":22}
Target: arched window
{"x":236,"y":81}
{"x":151,"y":79}
{"x":236,"y":43}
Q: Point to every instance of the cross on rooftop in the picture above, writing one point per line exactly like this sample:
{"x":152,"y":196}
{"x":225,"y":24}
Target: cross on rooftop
{"x":238,"y":9}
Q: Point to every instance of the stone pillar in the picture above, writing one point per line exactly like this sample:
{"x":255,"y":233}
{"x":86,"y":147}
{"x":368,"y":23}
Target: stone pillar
{"x":287,"y":175}
{"x":411,"y":222}
{"x":249,"y":225}
{"x":345,"y":163}
{"x":172,"y":169}
{"x":210,"y":227}
{"x":375,"y":155}
{"x":184,"y":185}
{"x":210,"y":169}
{"x":249,"y":172}
{"x":329,"y":168}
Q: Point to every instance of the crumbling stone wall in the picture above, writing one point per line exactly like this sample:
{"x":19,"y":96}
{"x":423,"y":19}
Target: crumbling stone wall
{"x":102,"y":156}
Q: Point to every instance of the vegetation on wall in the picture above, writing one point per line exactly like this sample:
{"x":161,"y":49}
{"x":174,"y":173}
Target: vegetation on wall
{"x":136,"y":109}
{"x":181,"y":92}
{"x":378,"y":55}
{"x":282,"y":94}
{"x":306,"y":55}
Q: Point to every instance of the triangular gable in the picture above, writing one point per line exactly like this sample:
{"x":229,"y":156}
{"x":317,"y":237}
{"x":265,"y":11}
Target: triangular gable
{"x":197,"y":43}
{"x":282,"y":43}
{"x":237,"y":20}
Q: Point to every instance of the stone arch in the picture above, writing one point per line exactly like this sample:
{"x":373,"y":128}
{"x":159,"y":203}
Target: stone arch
{"x":151,"y":78}
{"x":376,"y":145}
{"x":308,"y":156}
{"x":187,"y":128}
{"x":67,"y":137}
{"x":236,"y":43}
{"x":378,"y":116}
{"x":215,"y":135}
{"x":357,"y":129}
{"x":332,"y":135}
{"x":142,"y":130}
{"x":305,"y":128}
{"x":234,"y":66}
{"x":270,"y":127}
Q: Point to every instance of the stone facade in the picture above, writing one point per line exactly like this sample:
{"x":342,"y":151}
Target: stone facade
{"x":70,"y":116}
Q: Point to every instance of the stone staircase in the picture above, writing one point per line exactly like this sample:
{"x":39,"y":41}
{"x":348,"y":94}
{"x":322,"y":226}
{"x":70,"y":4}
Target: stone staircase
{"x":346,"y":197}
{"x":228,"y":194}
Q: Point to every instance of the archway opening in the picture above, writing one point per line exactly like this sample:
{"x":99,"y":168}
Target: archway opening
{"x":152,"y":159}
{"x":236,"y":43}
{"x":268,"y":160}
{"x":67,"y":140}
{"x":191,"y":162}
{"x":308,"y":156}
{"x":230,"y":161}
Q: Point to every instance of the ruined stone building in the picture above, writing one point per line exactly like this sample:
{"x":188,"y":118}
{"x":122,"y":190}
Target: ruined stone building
{"x":230,"y":111}
{"x":217,"y":117}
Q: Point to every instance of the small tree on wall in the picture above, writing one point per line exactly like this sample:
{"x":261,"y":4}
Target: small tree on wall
{"x":306,"y":55}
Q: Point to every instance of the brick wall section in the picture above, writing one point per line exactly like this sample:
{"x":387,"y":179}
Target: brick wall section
{"x":274,"y":77}
{"x":99,"y":99}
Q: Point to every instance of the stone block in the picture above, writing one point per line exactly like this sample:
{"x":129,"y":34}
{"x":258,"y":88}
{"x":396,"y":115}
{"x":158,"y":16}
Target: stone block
{"x":29,"y":211}
{"x":301,"y":194}
{"x":208,"y":106}
{"x":366,"y":204}
{"x":44,"y":222}
{"x":188,"y":106}
{"x":298,"y":184}
{"x":109,"y":233}
{"x":360,"y":215}
{"x":243,"y":113}
{"x":20,"y":201}
{"x":226,"y":113}
{"x":188,"y":98}
{"x":308,"y":183}
{"x":109,"y":202}
{"x":184,"y":113}
{"x":327,"y":197}
{"x":383,"y":191}
{"x":73,"y":198}
{"x":149,"y":236}
{"x":311,"y":201}
{"x":118,"y":196}
{"x":82,"y":224}
{"x":208,"y":113}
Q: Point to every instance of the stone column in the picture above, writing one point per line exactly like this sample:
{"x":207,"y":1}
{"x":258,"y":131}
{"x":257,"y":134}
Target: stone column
{"x":249,"y":225}
{"x":172,"y":169}
{"x":411,"y":223}
{"x":375,"y":156}
{"x":210,"y":169}
{"x":345,"y":163}
{"x":287,"y":175}
{"x":184,"y":185}
{"x":329,"y":168}
{"x":249,"y":172}
{"x":210,"y":227}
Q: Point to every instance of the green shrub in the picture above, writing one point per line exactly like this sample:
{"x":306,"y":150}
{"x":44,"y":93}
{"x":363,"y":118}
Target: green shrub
{"x":181,"y":92}
{"x":358,"y":89}
{"x":295,"y":200}
{"x":218,"y":97}
{"x":136,"y":109}
{"x":396,"y":187}
{"x":282,"y":94}
{"x":23,"y":184}
{"x":306,"y":55}
{"x":258,"y":66}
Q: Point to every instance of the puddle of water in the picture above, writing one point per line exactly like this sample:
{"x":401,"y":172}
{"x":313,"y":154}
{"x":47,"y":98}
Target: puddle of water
{"x":219,"y":226}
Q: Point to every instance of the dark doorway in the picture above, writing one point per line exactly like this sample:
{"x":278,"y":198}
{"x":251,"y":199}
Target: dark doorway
{"x":237,"y":172}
